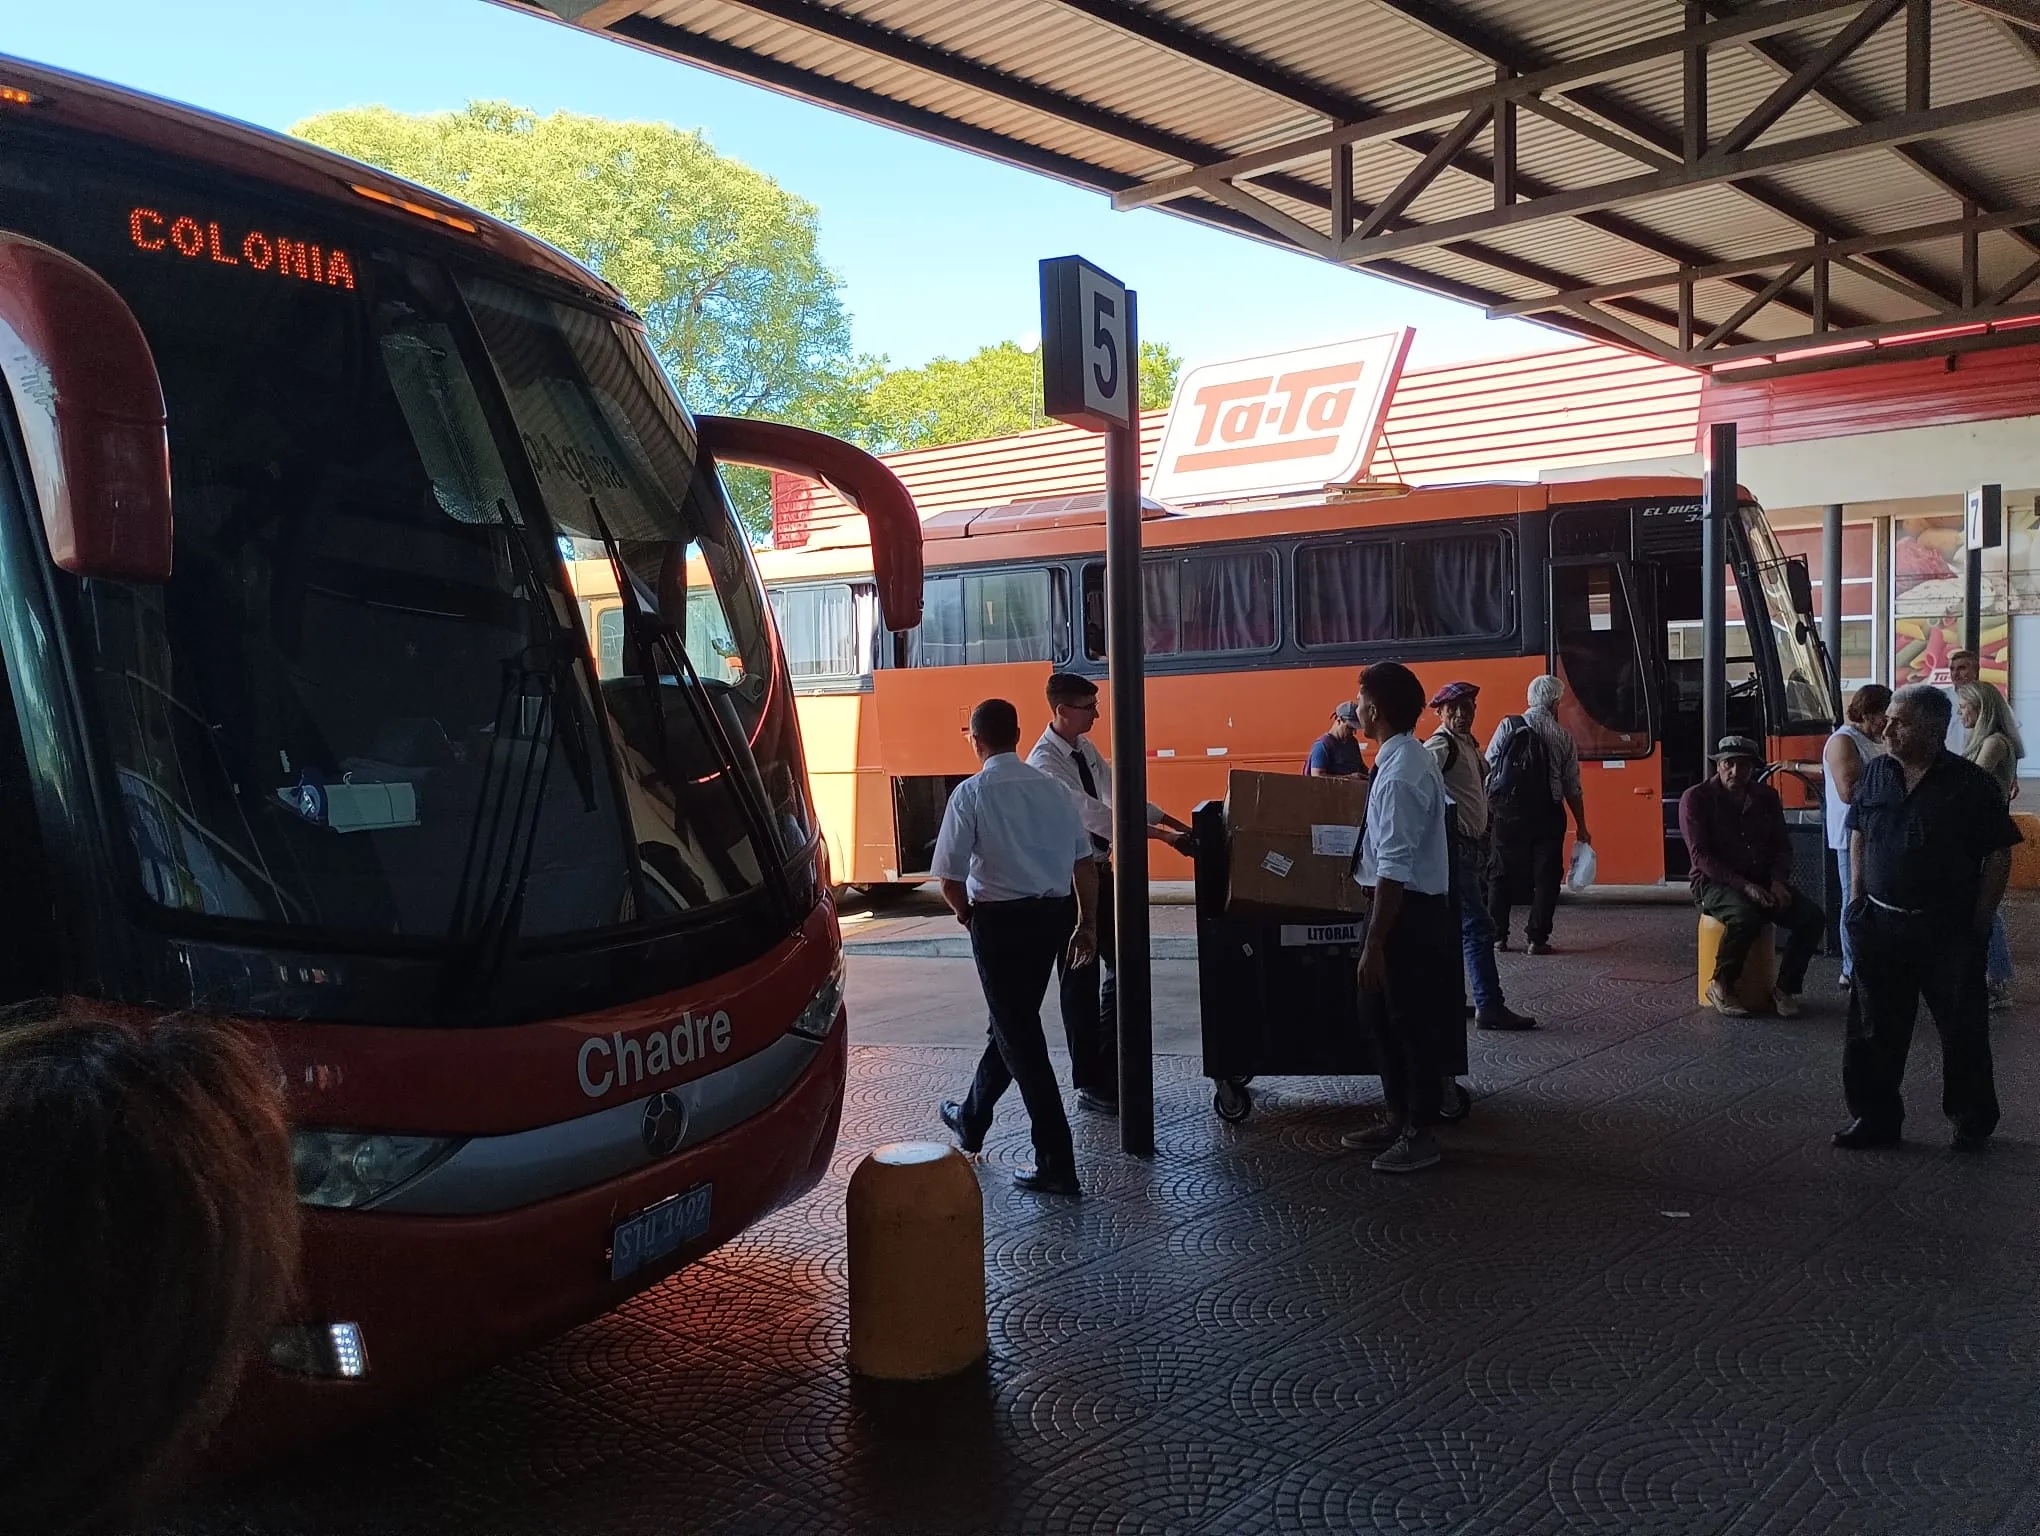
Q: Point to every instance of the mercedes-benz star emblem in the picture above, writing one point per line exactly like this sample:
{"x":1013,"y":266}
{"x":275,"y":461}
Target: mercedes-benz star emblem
{"x":665,"y":1124}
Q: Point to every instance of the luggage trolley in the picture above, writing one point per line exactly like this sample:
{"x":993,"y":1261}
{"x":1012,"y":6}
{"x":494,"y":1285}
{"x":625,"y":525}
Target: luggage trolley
{"x":1279,"y":993}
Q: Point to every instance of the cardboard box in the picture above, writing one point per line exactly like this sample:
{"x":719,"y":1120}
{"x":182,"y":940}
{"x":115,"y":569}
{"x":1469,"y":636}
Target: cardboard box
{"x":1293,"y":842}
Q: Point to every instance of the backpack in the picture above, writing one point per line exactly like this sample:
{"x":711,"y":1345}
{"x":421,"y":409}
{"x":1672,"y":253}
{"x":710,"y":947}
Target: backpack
{"x":1519,"y":783}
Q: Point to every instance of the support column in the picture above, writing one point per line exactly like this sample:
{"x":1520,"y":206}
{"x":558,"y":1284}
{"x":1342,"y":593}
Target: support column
{"x":1716,"y":507}
{"x":1881,"y":628}
{"x":1125,"y":646}
{"x":1831,"y":588}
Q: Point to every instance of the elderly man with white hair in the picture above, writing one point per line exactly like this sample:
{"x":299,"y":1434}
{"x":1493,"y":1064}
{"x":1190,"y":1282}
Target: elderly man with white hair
{"x":1533,"y":776}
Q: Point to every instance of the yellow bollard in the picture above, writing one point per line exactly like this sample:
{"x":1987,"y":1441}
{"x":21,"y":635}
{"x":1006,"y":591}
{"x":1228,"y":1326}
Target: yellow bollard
{"x":917,"y":1263}
{"x":2026,"y":857}
{"x":1759,"y":973}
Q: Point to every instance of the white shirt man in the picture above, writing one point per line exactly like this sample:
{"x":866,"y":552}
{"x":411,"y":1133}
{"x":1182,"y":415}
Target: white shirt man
{"x":1405,"y":836}
{"x":1011,"y":853}
{"x":1068,"y":763}
{"x":1009,"y":834}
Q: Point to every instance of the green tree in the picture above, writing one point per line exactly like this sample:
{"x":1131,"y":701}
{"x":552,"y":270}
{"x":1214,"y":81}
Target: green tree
{"x":994,"y":391}
{"x":720,"y":260}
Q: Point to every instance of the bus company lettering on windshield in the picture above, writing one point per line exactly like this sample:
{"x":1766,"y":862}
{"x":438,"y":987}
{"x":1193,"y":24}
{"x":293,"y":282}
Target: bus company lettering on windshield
{"x":202,"y":240}
{"x":618,"y":1060}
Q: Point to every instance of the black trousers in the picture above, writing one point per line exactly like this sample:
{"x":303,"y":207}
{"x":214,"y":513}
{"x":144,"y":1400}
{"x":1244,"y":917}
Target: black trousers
{"x":1901,"y":961}
{"x":1090,"y":1006}
{"x":1527,"y":857}
{"x":1420,"y":1000}
{"x":1015,"y":944}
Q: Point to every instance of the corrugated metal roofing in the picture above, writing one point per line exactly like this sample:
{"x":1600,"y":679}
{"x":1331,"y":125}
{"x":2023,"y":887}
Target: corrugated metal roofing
{"x":1577,"y":404}
{"x":1112,"y":94}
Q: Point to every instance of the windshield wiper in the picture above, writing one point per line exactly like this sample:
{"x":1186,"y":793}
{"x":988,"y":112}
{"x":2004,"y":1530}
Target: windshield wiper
{"x":490,"y":927}
{"x":649,"y":634}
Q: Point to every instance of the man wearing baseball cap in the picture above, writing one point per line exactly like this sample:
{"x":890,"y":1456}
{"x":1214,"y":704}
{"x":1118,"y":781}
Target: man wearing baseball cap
{"x":1336,"y":754}
{"x":1734,"y":829}
{"x":1457,"y":750}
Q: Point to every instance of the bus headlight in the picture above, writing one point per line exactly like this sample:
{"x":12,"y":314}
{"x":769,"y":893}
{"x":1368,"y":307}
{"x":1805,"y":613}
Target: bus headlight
{"x":819,"y":1016}
{"x":345,"y":1170}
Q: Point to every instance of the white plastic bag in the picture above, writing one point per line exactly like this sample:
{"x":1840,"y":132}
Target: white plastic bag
{"x":1581,"y":875}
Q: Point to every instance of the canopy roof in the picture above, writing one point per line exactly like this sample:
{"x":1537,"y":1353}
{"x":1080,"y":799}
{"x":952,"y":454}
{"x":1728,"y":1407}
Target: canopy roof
{"x":1748,"y":183}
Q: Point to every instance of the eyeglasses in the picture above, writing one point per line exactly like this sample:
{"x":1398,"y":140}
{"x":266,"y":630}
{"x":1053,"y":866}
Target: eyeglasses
{"x":1083,"y":709}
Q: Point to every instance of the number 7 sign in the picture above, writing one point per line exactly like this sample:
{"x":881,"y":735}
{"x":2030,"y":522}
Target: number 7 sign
{"x":1090,"y":369}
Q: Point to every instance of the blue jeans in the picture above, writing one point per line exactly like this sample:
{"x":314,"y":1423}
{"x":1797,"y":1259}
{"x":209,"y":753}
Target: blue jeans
{"x":1997,"y":962}
{"x":1476,"y":927}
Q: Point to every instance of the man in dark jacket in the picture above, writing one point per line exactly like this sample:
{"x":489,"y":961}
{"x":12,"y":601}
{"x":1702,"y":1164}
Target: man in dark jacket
{"x":1734,"y":829}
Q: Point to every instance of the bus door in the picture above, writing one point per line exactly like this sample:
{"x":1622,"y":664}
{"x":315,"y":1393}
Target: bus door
{"x":1599,"y":624}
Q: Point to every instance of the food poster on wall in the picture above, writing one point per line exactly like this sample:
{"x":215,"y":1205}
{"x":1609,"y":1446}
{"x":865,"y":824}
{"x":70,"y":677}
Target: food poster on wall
{"x":1926,"y":602}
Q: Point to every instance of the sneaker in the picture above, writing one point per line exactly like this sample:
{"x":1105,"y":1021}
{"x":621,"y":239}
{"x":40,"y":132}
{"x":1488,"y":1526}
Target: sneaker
{"x":1970,"y":1141}
{"x":952,"y":1116}
{"x":1502,"y":945}
{"x":1537,"y":947}
{"x":1846,"y":984}
{"x":1861,"y":1135}
{"x":1786,"y":1004}
{"x":1372,"y":1138}
{"x":1719,"y":1000}
{"x":1413,"y":1152}
{"x":1097,"y":1103}
{"x":1036,"y":1182}
{"x":2000,"y":996}
{"x":1502,"y":1017}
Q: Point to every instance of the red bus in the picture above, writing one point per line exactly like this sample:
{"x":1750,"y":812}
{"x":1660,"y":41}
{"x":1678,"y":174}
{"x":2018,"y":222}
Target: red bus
{"x":304,"y":732}
{"x":1258,"y":617}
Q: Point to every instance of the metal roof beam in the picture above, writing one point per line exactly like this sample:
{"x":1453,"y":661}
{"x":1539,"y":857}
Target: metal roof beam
{"x":1629,"y":131}
{"x":1856,"y":245}
{"x":1714,"y":169}
{"x":1190,"y":43}
{"x":883,"y":42}
{"x":1765,"y":21}
{"x":1978,"y":322}
{"x":1819,"y":64}
{"x":1781,"y":56}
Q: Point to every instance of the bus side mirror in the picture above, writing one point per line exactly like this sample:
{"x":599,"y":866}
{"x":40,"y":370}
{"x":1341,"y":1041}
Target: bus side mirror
{"x":90,"y":404}
{"x":852,"y":474}
{"x":1800,"y":585}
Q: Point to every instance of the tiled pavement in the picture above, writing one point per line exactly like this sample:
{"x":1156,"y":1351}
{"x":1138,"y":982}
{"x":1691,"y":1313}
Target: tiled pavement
{"x":1643,"y":1296}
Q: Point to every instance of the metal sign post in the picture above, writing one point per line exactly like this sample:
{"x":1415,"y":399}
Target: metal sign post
{"x":1983,"y":528}
{"x":1090,"y":370}
{"x":1717,"y":506}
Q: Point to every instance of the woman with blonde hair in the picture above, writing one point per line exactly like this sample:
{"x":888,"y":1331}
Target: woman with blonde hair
{"x":148,"y":1238}
{"x":1993,"y":743}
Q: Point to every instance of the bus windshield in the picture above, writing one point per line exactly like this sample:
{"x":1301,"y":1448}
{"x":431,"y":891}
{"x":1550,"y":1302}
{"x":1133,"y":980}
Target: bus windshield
{"x":363,"y":705}
{"x":1808,"y":697}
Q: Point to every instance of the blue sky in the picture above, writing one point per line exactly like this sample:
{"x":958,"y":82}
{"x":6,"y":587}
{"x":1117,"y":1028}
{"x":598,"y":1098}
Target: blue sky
{"x":937,"y":248}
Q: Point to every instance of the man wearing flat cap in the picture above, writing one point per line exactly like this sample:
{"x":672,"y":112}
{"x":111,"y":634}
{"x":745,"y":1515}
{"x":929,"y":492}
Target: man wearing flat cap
{"x":1734,"y":829}
{"x":1457,"y":750}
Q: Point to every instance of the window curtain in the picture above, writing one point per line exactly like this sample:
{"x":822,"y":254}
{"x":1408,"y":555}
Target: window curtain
{"x":1345,"y":594}
{"x":1456,"y":587}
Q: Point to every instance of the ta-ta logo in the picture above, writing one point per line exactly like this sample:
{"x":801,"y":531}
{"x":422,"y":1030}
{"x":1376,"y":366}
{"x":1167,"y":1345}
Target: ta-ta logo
{"x":1271,"y":426}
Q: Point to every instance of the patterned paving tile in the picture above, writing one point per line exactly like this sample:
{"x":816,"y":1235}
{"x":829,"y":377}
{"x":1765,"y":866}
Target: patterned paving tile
{"x":1642,"y":1295}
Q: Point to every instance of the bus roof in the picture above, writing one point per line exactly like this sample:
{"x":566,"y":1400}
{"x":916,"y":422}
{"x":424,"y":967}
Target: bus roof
{"x":93,"y":106}
{"x":1079,"y":533}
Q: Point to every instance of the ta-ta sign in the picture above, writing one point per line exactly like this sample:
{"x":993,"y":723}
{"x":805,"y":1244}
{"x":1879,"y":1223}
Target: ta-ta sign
{"x":1089,"y":373}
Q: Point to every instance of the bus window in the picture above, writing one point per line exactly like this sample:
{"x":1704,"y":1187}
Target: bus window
{"x":1456,"y":588}
{"x":821,"y":631}
{"x":1596,"y":651}
{"x":1207,"y":603}
{"x":990,"y":616}
{"x":1345,"y":593}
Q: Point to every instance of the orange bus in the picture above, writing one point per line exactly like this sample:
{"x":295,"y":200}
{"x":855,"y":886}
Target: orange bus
{"x":301,"y":732}
{"x":1258,"y":618}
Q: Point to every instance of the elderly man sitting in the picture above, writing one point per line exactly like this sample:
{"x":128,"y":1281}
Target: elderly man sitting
{"x":1734,"y":829}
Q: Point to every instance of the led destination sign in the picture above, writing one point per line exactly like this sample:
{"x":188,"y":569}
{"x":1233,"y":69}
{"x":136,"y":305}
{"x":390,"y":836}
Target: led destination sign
{"x":207,"y":240}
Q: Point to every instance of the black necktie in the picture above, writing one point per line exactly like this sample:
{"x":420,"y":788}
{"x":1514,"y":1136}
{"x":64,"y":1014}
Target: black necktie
{"x":1090,"y":788}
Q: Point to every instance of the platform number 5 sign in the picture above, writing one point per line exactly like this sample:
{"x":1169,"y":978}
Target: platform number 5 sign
{"x":1090,"y":371}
